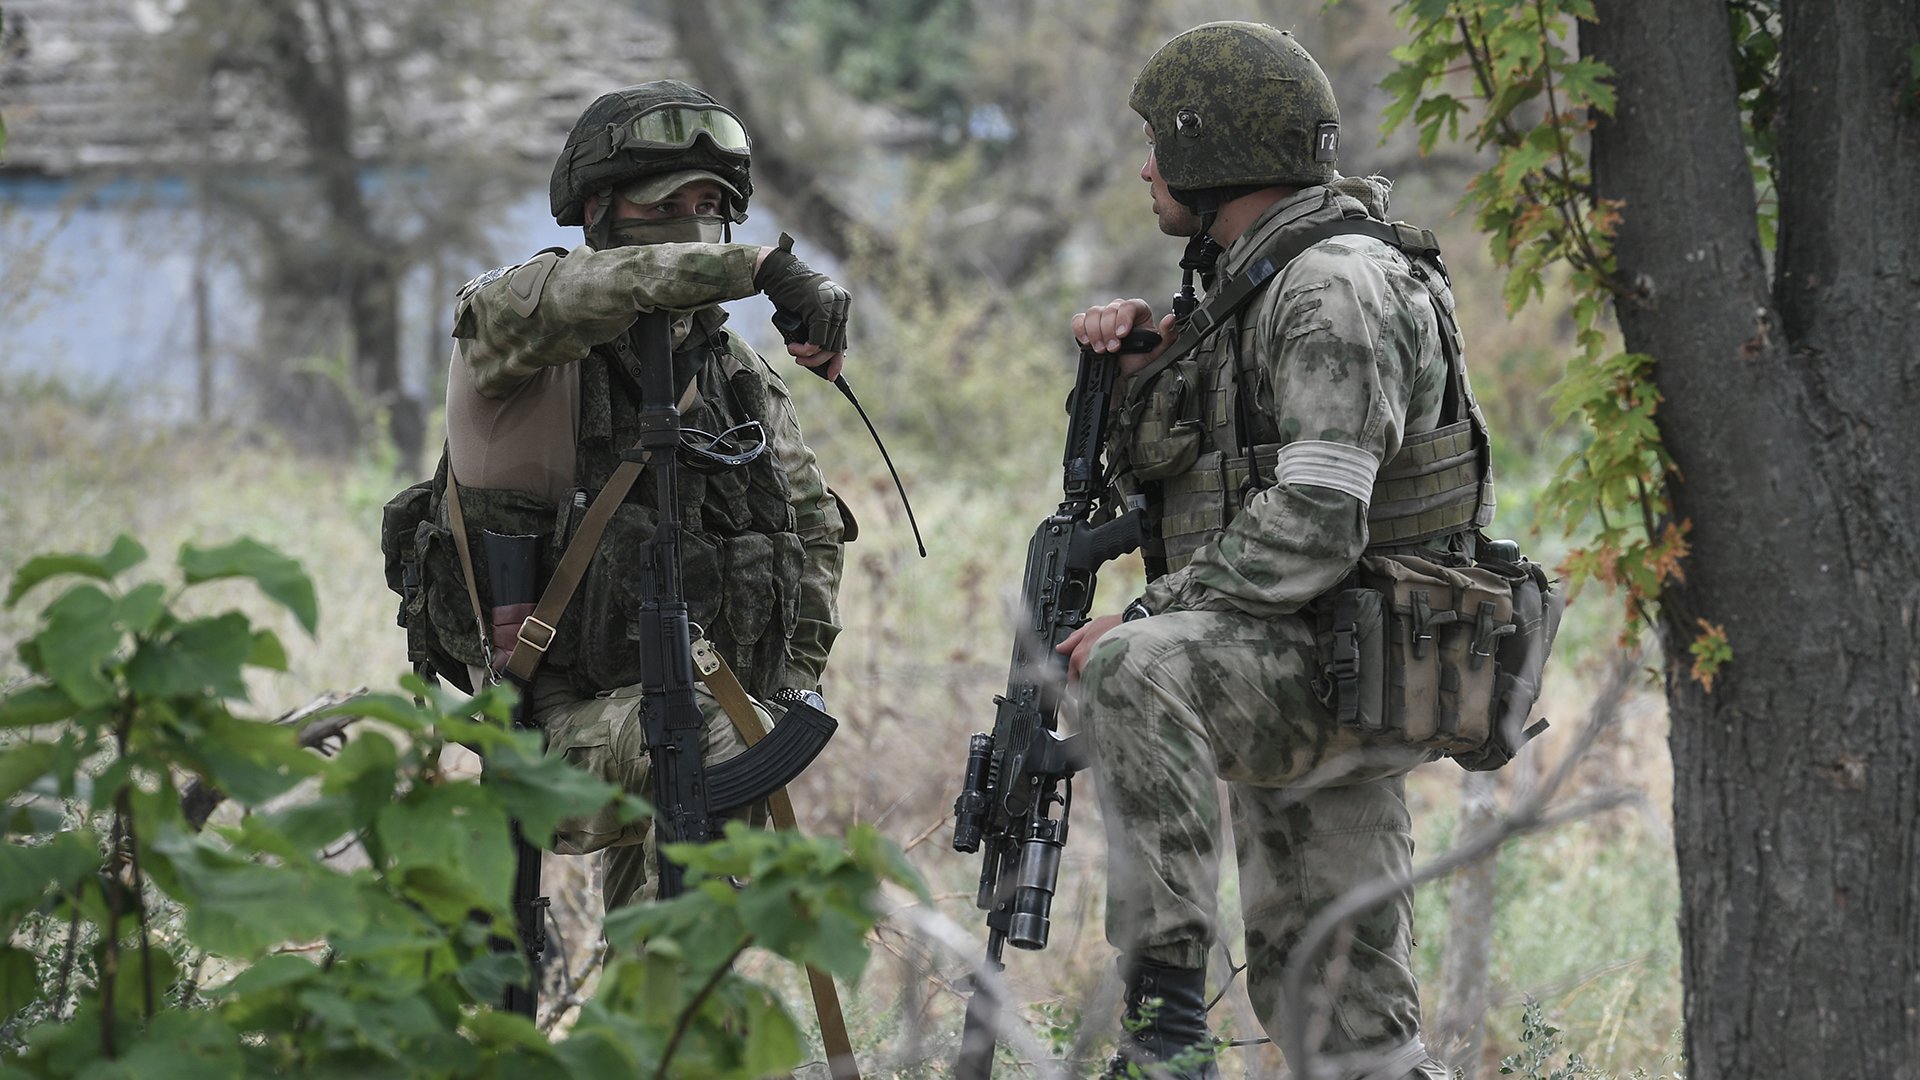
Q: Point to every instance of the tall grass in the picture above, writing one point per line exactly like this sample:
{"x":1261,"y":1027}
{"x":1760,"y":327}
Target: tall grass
{"x":970,"y":398}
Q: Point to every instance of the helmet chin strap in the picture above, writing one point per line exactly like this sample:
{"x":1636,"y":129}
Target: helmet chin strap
{"x":1202,"y":252}
{"x":600,"y":230}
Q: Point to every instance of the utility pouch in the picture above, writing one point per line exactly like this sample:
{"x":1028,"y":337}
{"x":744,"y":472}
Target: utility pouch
{"x":513,"y":587}
{"x":1521,"y":657}
{"x":1165,"y":438}
{"x":1355,"y":644}
{"x":1446,"y":656}
{"x":400,"y":519}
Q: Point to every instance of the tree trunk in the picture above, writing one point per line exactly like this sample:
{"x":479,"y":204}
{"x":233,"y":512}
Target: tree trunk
{"x":1788,"y":411}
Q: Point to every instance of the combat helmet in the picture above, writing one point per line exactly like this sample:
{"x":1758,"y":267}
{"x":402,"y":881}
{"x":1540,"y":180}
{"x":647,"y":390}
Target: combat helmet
{"x":664,"y":126}
{"x":1237,"y":106}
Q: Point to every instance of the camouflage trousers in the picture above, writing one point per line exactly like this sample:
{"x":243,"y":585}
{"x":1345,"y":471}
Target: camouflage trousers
{"x":1171,"y":702}
{"x":603,"y":735}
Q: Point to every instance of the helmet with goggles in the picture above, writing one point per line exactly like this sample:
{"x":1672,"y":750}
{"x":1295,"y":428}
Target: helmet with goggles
{"x":1237,"y":106}
{"x":649,"y":136}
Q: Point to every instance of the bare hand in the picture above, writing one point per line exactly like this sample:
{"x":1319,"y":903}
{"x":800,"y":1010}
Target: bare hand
{"x":1079,"y":645}
{"x":825,"y":365}
{"x":1103,"y":327}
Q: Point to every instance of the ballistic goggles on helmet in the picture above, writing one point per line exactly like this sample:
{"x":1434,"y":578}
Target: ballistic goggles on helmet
{"x":668,"y":127}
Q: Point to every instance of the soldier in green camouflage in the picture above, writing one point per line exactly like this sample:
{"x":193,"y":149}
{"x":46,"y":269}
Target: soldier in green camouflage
{"x":542,"y":399}
{"x":1254,"y":455}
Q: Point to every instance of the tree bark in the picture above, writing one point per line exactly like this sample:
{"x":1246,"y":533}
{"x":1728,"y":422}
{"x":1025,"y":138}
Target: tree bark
{"x":1787,"y":407}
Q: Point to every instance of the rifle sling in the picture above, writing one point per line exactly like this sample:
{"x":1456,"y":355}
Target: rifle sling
{"x":1240,"y":289}
{"x":725,"y":686}
{"x":721,"y":682}
{"x":529,"y":651}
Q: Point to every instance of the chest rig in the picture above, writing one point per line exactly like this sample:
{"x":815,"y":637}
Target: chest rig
{"x":741,"y":556}
{"x":1200,"y":437}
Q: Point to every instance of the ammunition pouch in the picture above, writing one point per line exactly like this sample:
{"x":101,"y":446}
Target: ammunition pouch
{"x":743,"y":590}
{"x":1441,"y":652}
{"x":1163,"y":433}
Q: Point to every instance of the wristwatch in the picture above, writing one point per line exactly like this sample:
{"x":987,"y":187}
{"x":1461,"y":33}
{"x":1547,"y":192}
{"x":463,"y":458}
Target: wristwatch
{"x":1136,"y":610}
{"x":789,"y":695}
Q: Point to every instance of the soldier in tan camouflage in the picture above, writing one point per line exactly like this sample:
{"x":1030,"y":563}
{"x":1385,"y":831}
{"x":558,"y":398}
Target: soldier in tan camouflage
{"x":542,"y":401}
{"x":1255,"y":452}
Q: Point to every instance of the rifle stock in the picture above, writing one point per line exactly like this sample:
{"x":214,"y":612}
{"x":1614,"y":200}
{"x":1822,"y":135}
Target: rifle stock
{"x":1017,"y":787}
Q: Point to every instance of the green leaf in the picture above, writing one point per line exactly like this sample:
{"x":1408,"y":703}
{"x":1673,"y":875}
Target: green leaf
{"x":237,"y":908}
{"x":773,"y":1040}
{"x":280,"y":577}
{"x":268,"y":974}
{"x":19,"y":980}
{"x":24,"y":764}
{"x":27,"y":872}
{"x":124,"y":555}
{"x":250,"y":761}
{"x":451,"y":846}
{"x":539,"y":790}
{"x":267,"y":652}
{"x":488,"y":977}
{"x":140,"y":610}
{"x":199,"y":657}
{"x":78,"y":640}
{"x":36,"y":704}
{"x":182,"y":1044}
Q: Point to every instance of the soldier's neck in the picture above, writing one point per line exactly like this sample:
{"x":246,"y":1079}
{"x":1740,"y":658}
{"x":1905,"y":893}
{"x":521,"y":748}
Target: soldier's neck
{"x":1237,"y":215}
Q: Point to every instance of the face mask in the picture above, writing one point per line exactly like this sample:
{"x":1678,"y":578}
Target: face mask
{"x":679,"y":230}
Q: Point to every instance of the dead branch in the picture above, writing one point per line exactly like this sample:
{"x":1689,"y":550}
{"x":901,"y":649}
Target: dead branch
{"x":199,"y":800}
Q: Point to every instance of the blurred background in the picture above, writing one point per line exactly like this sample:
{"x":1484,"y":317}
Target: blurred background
{"x":230,"y":234}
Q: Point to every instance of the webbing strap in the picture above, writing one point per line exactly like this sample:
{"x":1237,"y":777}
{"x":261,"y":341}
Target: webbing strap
{"x":459,"y":522}
{"x":725,"y":687}
{"x":538,"y":629}
{"x":1237,"y":291}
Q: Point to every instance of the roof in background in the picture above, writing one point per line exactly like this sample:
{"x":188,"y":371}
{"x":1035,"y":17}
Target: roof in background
{"x":92,"y":86}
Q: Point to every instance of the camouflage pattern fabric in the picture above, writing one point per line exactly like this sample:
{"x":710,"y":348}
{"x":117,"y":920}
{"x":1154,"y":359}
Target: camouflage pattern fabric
{"x":1342,"y":348}
{"x":553,"y":309}
{"x":1346,"y":347}
{"x":519,"y":329}
{"x":603,"y":735}
{"x":520,"y":333}
{"x":1194,"y":92}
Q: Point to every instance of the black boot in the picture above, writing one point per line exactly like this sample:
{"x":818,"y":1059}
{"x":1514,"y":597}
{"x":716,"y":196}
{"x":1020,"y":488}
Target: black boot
{"x":1166,"y":1019}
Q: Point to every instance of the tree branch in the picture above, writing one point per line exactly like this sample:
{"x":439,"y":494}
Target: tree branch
{"x":198,"y":801}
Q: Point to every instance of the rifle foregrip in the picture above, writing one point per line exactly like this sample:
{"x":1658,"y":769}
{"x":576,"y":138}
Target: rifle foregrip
{"x":770,"y":763}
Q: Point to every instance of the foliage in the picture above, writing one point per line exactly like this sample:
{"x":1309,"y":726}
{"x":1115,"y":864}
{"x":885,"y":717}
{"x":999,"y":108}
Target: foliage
{"x":1540,"y":1045}
{"x":1533,"y":101}
{"x":140,"y":946}
{"x":1538,"y":1048}
{"x":910,"y":54}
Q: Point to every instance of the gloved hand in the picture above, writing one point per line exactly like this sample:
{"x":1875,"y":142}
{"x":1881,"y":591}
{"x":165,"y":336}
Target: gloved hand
{"x":795,"y":287}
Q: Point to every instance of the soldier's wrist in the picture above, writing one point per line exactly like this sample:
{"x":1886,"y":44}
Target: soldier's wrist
{"x":1136,"y":610}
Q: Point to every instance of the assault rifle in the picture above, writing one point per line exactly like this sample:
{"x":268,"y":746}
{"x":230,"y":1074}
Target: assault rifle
{"x":689,"y":798}
{"x":1019,"y":774}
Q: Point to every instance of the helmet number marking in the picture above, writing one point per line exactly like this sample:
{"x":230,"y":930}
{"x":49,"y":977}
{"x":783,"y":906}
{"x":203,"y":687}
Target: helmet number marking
{"x":1326,"y":141}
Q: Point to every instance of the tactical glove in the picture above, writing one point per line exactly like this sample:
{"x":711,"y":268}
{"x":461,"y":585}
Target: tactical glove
{"x":797,"y":289}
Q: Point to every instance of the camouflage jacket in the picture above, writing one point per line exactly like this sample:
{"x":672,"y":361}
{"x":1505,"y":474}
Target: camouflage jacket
{"x":1344,"y":358}
{"x":514,"y":405}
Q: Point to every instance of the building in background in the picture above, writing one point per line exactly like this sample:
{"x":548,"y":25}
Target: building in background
{"x":236,"y":211}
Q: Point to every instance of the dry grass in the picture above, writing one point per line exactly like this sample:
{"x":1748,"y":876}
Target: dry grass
{"x":1585,"y":914}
